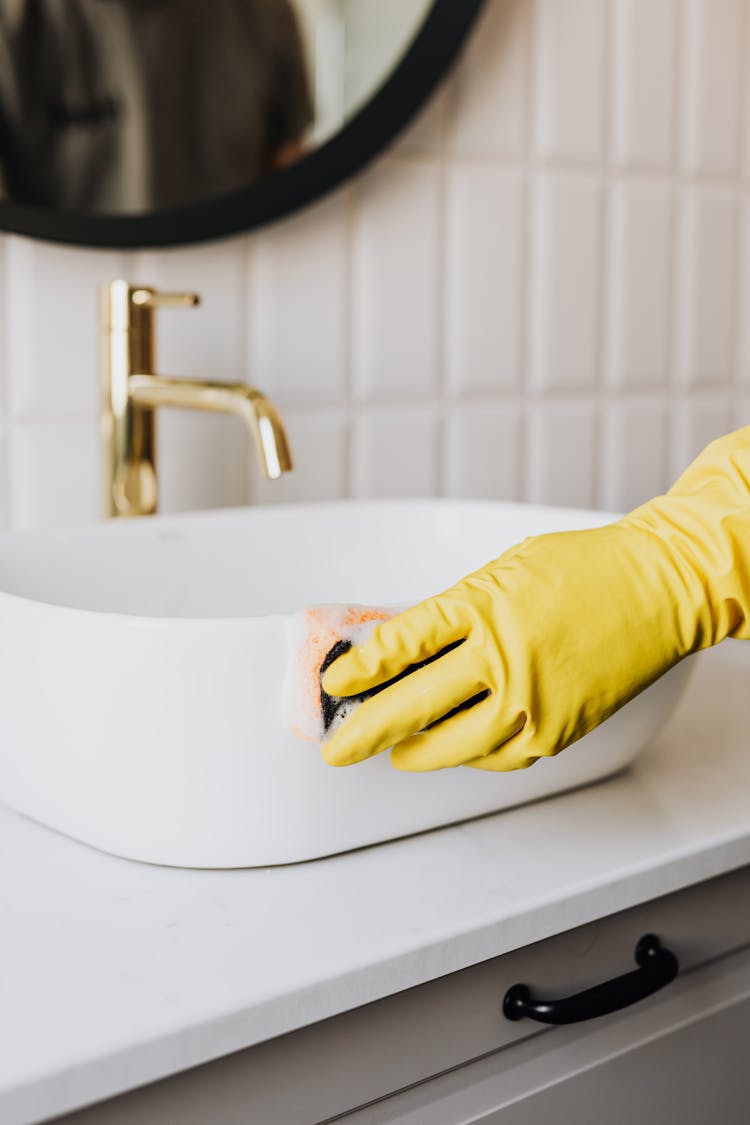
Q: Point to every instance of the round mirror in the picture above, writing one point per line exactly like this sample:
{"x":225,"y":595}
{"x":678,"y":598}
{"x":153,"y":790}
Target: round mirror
{"x":161,"y":122}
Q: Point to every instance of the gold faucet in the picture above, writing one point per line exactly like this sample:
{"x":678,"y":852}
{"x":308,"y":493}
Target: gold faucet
{"x":132,"y":391}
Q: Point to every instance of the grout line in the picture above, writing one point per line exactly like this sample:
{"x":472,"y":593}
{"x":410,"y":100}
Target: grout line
{"x":611,"y":169}
{"x":580,"y":398}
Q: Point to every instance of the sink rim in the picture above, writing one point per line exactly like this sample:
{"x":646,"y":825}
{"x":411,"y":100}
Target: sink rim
{"x":38,"y":538}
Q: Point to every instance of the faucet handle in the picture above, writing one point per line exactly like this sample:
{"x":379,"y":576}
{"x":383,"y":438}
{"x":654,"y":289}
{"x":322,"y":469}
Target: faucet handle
{"x":154,"y":299}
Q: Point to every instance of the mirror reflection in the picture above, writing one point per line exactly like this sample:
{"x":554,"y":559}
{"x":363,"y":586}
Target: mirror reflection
{"x":133,"y":106}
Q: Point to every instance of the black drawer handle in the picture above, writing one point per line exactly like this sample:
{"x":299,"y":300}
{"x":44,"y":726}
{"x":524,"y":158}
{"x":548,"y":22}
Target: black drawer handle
{"x":658,"y":966}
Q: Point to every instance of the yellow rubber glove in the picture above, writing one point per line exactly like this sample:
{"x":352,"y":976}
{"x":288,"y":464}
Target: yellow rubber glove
{"x":560,"y":631}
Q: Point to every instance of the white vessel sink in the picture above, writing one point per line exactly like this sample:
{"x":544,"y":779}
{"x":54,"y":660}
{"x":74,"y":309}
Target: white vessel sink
{"x":143,"y":666}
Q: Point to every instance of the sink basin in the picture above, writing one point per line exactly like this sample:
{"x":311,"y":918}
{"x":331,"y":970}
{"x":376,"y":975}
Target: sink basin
{"x":143,"y":666}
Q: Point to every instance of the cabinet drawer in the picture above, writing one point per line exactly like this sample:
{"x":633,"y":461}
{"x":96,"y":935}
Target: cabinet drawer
{"x":339,"y":1064}
{"x":681,"y":1057}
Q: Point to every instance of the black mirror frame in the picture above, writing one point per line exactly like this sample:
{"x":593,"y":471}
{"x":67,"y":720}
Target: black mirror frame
{"x":372,"y":129}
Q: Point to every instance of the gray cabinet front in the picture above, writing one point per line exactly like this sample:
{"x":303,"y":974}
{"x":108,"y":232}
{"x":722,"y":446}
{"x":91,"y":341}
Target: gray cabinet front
{"x":433,"y":1040}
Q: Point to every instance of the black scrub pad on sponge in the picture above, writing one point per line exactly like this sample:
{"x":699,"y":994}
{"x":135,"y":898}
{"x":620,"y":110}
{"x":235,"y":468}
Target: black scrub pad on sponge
{"x":336,"y":707}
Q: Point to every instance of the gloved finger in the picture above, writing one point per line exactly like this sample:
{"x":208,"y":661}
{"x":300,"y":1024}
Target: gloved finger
{"x":504,"y":759}
{"x":406,"y":707}
{"x":409,"y":638}
{"x":458,"y":740}
{"x":516,"y":753}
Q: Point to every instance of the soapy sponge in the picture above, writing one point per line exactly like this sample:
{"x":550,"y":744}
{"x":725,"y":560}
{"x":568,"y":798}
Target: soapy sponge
{"x":320,"y":635}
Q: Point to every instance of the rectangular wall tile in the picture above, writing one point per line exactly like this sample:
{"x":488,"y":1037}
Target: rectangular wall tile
{"x":395,"y":280}
{"x":488,"y":97}
{"x":640,"y":286}
{"x":712,"y":84}
{"x":206,"y":341}
{"x":319,"y":444}
{"x":694,"y":425}
{"x":298,"y":305}
{"x":395,"y":452}
{"x":570,"y":67}
{"x":561,"y":455}
{"x":482,"y":449}
{"x":645,"y":63}
{"x":51,"y":327}
{"x":202,"y":461}
{"x":565,"y":292}
{"x":55,"y":474}
{"x":634,"y":455}
{"x":484,"y":279}
{"x":707,"y":282}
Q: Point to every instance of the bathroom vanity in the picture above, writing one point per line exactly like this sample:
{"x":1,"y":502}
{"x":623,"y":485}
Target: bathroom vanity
{"x":370,"y":985}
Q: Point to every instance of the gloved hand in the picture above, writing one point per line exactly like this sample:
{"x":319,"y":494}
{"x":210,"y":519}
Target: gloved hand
{"x":559,"y":632}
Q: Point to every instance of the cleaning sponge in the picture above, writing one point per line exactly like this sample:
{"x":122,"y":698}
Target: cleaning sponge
{"x":317,"y":636}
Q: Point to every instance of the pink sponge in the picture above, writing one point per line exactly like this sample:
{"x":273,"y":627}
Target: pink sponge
{"x":317,"y":635}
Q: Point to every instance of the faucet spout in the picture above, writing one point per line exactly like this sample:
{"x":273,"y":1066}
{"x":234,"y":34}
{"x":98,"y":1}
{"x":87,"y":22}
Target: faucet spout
{"x":256,"y":411}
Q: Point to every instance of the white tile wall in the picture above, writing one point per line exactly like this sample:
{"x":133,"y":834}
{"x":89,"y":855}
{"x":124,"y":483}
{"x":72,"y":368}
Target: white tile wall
{"x":320,"y":440}
{"x":646,"y":35}
{"x":50,"y":327}
{"x":543,"y":291}
{"x":53,"y":470}
{"x":298,"y":306}
{"x":489,"y":110}
{"x":484,"y":234}
{"x":566,"y":280}
{"x":743,"y":294}
{"x":714,"y":33}
{"x":707,"y":282}
{"x":634,"y":453}
{"x":571,"y":39}
{"x":561,"y":454}
{"x":203,"y":461}
{"x":695,"y":424}
{"x":395,"y":452}
{"x":395,"y":268}
{"x":483,"y":445}
{"x":640,"y":311}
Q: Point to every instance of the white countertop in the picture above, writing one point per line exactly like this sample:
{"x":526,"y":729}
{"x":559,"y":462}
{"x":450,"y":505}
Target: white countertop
{"x":114,"y":973}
